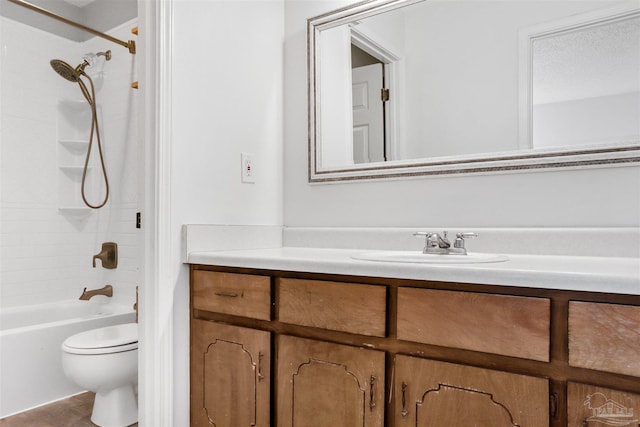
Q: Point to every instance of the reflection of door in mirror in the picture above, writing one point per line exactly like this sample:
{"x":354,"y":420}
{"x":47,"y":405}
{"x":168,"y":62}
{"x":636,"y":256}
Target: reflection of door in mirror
{"x":368,"y":107}
{"x":373,"y":67}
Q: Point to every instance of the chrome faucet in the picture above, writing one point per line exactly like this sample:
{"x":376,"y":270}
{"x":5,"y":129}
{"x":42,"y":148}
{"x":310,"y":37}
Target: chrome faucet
{"x":434,"y":243}
{"x":106,"y":291}
{"x":440,"y":245}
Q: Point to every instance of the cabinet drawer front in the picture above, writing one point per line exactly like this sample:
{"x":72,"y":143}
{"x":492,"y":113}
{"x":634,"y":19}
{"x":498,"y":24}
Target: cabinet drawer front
{"x":605,"y":337}
{"x":499,"y":324}
{"x":236,"y":294}
{"x":346,"y":307}
{"x":593,"y":406}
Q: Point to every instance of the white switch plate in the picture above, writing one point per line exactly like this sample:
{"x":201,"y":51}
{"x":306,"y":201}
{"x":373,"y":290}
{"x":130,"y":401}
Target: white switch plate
{"x":248,"y":168}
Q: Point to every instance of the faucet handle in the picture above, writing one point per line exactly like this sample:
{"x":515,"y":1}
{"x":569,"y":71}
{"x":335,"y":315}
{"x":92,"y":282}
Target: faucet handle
{"x":466,"y":235}
{"x":459,"y":242}
{"x":108,"y":255}
{"x":429,"y":234}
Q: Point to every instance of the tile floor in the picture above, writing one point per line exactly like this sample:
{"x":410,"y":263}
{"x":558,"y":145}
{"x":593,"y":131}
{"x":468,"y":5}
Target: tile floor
{"x":72,"y":412}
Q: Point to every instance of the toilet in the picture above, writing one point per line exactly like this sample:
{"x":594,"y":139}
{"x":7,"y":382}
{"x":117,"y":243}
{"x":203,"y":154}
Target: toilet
{"x":105,"y":361}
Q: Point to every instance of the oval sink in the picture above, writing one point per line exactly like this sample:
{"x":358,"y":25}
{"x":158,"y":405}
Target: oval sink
{"x":419,"y":257}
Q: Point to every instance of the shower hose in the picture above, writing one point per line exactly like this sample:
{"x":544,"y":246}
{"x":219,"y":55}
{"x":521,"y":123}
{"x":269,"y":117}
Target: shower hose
{"x":95,"y":130}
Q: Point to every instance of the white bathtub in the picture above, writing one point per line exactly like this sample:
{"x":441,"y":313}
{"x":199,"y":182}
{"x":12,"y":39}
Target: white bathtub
{"x":30,"y":349}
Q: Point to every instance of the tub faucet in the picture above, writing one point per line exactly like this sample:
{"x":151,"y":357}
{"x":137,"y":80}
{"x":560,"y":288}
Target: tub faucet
{"x":106,"y":291}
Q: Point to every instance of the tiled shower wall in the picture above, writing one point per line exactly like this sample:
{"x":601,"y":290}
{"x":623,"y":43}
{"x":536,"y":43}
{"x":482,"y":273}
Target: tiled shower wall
{"x":45,"y":253}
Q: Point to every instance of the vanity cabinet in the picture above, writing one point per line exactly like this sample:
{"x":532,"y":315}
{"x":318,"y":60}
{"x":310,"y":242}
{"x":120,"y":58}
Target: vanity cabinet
{"x":292,"y":349}
{"x":230,"y":365}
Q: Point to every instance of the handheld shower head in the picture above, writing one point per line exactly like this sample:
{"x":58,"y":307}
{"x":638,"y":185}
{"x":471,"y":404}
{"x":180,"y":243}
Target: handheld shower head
{"x":66,"y":70}
{"x":73,"y":74}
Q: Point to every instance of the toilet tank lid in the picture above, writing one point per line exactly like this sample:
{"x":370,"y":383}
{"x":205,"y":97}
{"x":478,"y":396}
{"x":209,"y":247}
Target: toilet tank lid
{"x":110,"y":336}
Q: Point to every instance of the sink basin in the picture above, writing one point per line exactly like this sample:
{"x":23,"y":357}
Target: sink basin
{"x":420,"y":258}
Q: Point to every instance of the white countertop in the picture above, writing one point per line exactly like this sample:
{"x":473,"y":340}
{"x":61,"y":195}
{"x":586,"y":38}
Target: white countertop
{"x":579,"y":273}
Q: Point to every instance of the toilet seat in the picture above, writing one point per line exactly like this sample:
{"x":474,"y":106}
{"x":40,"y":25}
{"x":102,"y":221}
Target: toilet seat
{"x":110,"y":339}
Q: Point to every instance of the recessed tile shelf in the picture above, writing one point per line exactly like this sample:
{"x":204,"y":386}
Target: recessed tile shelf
{"x":74,"y":210}
{"x":72,"y":170}
{"x":73,"y":143}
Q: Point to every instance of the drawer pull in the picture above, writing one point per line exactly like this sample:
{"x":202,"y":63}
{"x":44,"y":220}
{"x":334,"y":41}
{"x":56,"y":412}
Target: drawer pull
{"x":372,"y":397}
{"x":404,"y":401}
{"x":553,"y":405}
{"x":260,"y":376}
{"x":227,"y":294}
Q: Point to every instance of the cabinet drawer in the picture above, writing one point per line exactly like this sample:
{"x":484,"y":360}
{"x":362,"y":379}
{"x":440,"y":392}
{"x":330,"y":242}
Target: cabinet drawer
{"x":593,"y":406}
{"x":605,"y":337}
{"x":236,"y":294}
{"x":346,"y":307}
{"x":499,"y":324}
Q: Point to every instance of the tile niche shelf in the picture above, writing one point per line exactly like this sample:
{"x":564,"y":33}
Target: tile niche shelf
{"x":73,"y":127}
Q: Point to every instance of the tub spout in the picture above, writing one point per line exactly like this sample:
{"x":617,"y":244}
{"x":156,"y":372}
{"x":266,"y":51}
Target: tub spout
{"x":106,"y":291}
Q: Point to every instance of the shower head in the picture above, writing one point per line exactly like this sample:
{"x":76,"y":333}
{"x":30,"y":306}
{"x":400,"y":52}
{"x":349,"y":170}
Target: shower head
{"x":73,"y":74}
{"x":65,"y":70}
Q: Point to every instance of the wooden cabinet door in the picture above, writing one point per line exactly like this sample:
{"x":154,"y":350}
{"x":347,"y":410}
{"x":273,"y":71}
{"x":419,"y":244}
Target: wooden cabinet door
{"x":591,"y":406}
{"x":436,"y":394}
{"x":230,"y":380}
{"x":322,"y":384}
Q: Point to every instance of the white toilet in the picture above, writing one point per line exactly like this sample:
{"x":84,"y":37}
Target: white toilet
{"x":105,"y":361}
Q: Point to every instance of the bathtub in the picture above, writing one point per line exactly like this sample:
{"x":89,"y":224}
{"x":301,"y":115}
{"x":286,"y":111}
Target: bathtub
{"x":30,"y":349}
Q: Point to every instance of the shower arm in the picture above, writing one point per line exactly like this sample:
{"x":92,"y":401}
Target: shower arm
{"x":131,"y":45}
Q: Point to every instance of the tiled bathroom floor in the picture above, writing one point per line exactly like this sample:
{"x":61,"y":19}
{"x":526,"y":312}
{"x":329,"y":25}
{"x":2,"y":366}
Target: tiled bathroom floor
{"x":72,"y":412}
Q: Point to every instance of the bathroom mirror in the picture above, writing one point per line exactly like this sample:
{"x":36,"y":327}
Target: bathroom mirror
{"x":403,"y":88}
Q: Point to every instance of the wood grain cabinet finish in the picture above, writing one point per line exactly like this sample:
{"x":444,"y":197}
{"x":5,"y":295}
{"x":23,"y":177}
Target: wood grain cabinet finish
{"x":591,"y":406}
{"x":605,"y":337}
{"x":498,"y":324}
{"x":346,"y":307}
{"x":230,"y":375}
{"x":293,"y":349}
{"x":236,"y":294}
{"x":436,"y":394}
{"x":322,"y":384}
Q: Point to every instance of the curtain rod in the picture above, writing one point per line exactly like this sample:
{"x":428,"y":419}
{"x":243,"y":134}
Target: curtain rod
{"x":131,"y":45}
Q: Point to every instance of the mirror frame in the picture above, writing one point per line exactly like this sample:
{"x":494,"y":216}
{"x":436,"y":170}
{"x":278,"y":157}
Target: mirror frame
{"x":497,"y":162}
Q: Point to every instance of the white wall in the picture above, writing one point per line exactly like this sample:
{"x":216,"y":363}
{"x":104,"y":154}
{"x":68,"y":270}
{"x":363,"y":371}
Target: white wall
{"x":226,"y":99}
{"x":46,"y":255}
{"x":465,"y":70}
{"x":579,"y":198}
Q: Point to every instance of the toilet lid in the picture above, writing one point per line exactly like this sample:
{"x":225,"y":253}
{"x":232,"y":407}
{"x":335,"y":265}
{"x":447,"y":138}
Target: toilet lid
{"x":105,"y":338}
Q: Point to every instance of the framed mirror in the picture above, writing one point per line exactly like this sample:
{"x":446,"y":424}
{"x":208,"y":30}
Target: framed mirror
{"x":403,"y":88}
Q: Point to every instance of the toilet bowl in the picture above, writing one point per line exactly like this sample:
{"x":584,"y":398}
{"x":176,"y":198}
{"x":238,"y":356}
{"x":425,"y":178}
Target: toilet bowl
{"x":105,"y":361}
